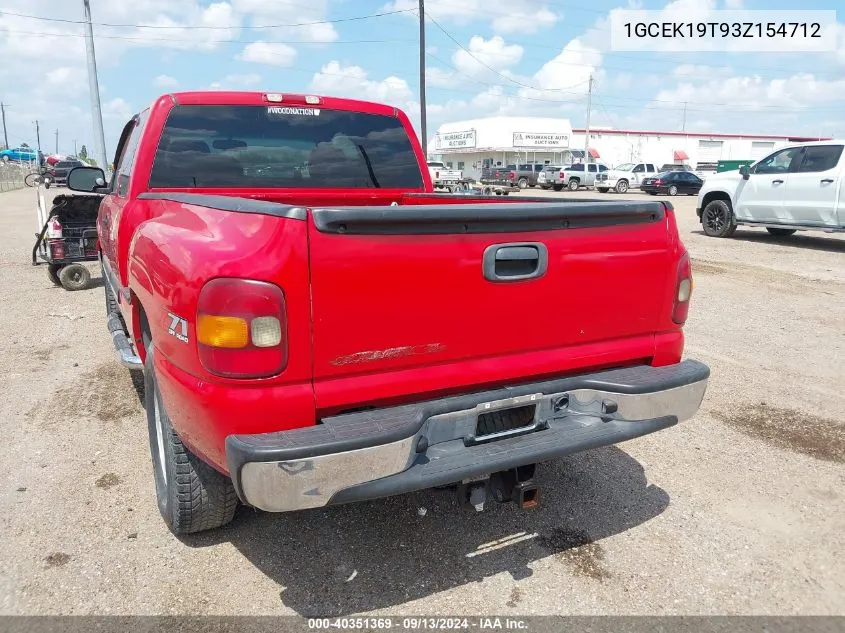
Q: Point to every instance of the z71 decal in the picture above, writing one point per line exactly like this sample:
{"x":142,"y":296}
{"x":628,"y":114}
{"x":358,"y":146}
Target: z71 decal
{"x":178,"y":327}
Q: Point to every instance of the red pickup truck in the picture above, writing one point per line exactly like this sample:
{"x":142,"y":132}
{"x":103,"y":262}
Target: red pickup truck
{"x":316,"y":326}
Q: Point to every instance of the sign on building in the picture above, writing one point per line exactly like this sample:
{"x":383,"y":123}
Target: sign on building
{"x":454,"y":140}
{"x":536,"y":139}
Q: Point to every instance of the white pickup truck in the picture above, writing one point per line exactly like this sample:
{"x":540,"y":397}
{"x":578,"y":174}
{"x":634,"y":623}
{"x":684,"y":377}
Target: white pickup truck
{"x":623,"y":177}
{"x":799,"y":187}
{"x":443,"y":178}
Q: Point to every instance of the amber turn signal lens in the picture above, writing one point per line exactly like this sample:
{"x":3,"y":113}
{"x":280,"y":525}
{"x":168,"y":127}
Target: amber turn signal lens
{"x":222,"y":331}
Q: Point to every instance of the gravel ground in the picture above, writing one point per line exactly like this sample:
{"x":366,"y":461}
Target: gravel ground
{"x":740,"y":510}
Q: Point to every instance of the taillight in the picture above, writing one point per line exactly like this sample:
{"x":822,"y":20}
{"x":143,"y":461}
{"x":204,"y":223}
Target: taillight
{"x":562,"y":175}
{"x":683,"y":290}
{"x":436,"y":175}
{"x":242,"y":328}
{"x":512,"y":175}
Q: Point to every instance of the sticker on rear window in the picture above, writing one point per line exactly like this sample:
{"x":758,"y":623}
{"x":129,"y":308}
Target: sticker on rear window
{"x":290,"y":110}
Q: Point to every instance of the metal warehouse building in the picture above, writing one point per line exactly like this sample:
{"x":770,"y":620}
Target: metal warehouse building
{"x":498,"y":141}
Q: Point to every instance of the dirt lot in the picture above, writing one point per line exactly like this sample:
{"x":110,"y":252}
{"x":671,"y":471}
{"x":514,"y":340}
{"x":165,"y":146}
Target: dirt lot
{"x":740,"y":510}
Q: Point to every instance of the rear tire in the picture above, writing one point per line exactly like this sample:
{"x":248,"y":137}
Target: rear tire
{"x":717,"y":219}
{"x":673,"y":190}
{"x":574,"y":184}
{"x":53,"y":273}
{"x":557,"y":187}
{"x":191,"y":495}
{"x":602,"y":189}
{"x":522,"y":183}
{"x":74,"y":277}
{"x":781,"y":232}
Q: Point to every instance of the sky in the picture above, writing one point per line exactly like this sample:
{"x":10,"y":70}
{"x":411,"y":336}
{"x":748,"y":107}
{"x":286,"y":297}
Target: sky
{"x":483,"y":58}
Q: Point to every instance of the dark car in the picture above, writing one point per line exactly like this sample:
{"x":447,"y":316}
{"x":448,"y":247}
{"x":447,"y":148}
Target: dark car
{"x":61,"y":169}
{"x":672,"y":183}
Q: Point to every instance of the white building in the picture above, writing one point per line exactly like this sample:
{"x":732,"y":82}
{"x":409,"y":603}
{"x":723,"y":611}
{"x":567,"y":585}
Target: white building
{"x":500,"y":141}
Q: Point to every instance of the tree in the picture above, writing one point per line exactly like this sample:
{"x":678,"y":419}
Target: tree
{"x":83,"y":153}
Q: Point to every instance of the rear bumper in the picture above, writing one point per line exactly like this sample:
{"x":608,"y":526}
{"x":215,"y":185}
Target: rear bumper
{"x":379,"y":453}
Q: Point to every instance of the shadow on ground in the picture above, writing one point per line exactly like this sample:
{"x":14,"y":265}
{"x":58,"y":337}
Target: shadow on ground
{"x":803,"y":239}
{"x":365,"y":556}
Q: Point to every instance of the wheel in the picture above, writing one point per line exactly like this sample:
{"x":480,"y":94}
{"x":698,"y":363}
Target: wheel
{"x":780,"y":232}
{"x":191,"y":495}
{"x":53,"y":273}
{"x":5,"y":158}
{"x":602,"y":189}
{"x":74,"y":277}
{"x":622,"y":186}
{"x":487,"y":191}
{"x":673,"y":190}
{"x":522,"y":183}
{"x":717,"y":219}
{"x":32,"y":179}
{"x":574,"y":184}
{"x":557,"y":187}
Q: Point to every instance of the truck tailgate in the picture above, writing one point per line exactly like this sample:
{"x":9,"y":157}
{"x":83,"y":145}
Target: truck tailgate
{"x":432,"y":298}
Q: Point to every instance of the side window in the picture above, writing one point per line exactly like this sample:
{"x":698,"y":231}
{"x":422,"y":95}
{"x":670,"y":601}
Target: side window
{"x":779,"y":162}
{"x":123,"y":169}
{"x":639,"y":169}
{"x":592,"y":167}
{"x":649,"y":167}
{"x":602,"y":168}
{"x":460,"y":164}
{"x":820,"y":158}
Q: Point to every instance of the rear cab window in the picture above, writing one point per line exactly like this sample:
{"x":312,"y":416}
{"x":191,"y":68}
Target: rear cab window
{"x":244,"y":146}
{"x":820,"y":158}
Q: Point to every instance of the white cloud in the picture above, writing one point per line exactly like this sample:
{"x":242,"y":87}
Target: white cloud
{"x":309,"y":15}
{"x":351,"y":81}
{"x":439,"y":78}
{"x":71,"y":81}
{"x":504,"y":16}
{"x":267,"y":53}
{"x":117,"y":108}
{"x":165,"y":81}
{"x":482,"y":55}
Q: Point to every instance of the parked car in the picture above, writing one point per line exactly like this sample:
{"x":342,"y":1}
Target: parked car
{"x":547,"y":176}
{"x":296,"y":348}
{"x":443,"y":178}
{"x":796,"y":188}
{"x":672,"y":183}
{"x":573,"y":176}
{"x":19,"y":154}
{"x":59,"y":171}
{"x":674,"y":167}
{"x":625,"y":176}
{"x":521,"y":176}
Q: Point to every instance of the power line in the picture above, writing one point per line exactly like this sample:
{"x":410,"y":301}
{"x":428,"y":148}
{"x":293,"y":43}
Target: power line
{"x":205,"y":27}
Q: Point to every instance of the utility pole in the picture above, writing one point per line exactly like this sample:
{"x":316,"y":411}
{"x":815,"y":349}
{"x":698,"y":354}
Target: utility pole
{"x":74,"y":149}
{"x":38,"y":135}
{"x":94,"y":89}
{"x":587,"y":130}
{"x":5,"y":134}
{"x":57,"y":140}
{"x":422,"y":78}
{"x":684,"y":124}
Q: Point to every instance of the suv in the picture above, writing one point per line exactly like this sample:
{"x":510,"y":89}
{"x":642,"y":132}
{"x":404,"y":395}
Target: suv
{"x":60,"y":170}
{"x":799,"y":187}
{"x":625,"y":176}
{"x":574,"y":177}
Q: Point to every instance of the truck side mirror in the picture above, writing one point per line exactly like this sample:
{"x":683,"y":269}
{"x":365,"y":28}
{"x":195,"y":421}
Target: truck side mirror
{"x":745,"y":172}
{"x":87,"y":179}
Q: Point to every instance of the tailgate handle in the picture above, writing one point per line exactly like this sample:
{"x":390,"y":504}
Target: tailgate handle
{"x":515,"y":262}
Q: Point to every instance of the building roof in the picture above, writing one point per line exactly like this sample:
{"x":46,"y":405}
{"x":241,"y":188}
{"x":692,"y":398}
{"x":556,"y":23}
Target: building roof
{"x":795,"y":139}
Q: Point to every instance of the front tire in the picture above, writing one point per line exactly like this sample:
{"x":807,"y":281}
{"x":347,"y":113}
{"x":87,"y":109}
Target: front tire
{"x":191,"y":495}
{"x":74,"y":277}
{"x":622,"y":186}
{"x":780,"y":232}
{"x":717,"y":219}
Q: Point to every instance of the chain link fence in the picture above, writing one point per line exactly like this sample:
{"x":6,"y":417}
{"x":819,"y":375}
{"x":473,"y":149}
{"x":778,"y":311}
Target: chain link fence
{"x":13,"y":173}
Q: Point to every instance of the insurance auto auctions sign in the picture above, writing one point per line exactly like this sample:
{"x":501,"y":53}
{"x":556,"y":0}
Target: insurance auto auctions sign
{"x":538,"y":139}
{"x":452,"y":140}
